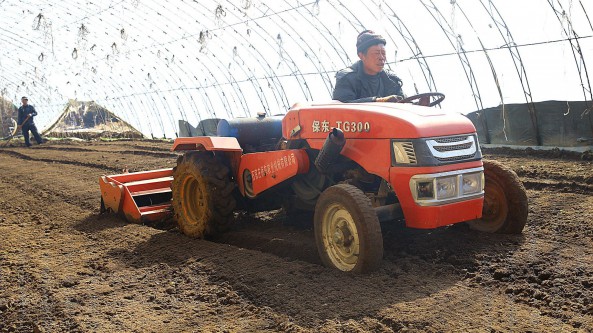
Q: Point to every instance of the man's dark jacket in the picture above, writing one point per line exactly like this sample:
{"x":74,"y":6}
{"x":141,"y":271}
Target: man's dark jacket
{"x":23,"y":112}
{"x":352,"y":85}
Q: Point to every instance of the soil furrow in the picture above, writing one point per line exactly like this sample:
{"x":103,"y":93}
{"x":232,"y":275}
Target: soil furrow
{"x":557,"y":186}
{"x":57,"y":161}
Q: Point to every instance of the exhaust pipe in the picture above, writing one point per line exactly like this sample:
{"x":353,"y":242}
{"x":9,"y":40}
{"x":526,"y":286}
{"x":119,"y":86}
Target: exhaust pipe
{"x":331,"y":150}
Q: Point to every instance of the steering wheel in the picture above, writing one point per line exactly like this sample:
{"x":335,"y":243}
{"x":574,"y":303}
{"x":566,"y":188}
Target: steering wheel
{"x":424,"y":99}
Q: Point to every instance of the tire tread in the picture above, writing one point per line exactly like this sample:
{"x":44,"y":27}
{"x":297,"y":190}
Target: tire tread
{"x":205,"y":167}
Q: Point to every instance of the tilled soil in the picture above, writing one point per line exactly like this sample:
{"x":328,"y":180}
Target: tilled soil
{"x":65,"y":268}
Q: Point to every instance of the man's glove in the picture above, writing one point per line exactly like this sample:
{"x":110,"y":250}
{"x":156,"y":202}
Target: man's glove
{"x":391,"y":98}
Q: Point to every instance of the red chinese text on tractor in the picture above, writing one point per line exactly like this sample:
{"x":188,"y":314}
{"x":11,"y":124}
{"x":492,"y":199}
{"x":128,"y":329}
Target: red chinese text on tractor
{"x":355,"y":165}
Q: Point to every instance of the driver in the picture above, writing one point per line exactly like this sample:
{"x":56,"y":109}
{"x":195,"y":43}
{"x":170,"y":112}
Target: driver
{"x":367,"y":80}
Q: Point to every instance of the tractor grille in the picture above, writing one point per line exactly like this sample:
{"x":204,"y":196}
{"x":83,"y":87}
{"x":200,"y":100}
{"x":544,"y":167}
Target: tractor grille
{"x":453,"y":149}
{"x":456,"y":158}
{"x":451,"y":139}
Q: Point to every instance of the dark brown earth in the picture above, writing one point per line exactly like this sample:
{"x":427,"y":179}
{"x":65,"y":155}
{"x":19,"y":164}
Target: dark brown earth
{"x":65,"y":268}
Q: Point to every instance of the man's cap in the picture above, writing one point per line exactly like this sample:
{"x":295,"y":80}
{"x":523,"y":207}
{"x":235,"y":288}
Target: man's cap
{"x":25,"y":97}
{"x":367,"y":39}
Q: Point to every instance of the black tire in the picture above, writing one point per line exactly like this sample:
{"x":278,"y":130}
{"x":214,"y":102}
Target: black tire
{"x":202,"y":195}
{"x":345,"y":213}
{"x":505,"y":201}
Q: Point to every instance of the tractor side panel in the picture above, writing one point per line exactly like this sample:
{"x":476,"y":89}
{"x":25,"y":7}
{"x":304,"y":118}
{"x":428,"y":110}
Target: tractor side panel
{"x":261,"y":171}
{"x":373,"y":155}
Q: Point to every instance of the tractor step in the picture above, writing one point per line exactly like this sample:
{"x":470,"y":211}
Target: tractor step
{"x":138,"y":196}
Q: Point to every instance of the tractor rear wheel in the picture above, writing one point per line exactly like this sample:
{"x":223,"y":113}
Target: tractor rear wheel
{"x":505,"y":201}
{"x":347,"y":230}
{"x":202,"y":195}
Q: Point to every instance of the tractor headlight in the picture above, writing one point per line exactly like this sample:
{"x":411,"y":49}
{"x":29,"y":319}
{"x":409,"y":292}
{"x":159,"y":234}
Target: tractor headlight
{"x":425,"y":190}
{"x":446,"y":187}
{"x":472,"y":183}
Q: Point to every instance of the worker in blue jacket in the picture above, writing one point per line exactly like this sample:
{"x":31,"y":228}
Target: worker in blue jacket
{"x":25,"y":120}
{"x":367,"y":80}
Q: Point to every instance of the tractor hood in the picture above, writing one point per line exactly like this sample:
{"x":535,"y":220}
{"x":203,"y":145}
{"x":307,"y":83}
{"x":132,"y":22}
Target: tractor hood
{"x":373,"y":120}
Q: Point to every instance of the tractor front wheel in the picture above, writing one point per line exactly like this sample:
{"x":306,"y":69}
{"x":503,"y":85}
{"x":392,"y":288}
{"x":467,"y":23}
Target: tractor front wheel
{"x":202,"y":195}
{"x":505,"y":201}
{"x":347,"y":230}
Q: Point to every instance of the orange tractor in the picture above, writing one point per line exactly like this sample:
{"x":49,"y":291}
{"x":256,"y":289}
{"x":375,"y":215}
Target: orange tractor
{"x":355,"y":165}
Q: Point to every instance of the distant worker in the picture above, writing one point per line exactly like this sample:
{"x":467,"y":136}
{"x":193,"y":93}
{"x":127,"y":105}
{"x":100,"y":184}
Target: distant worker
{"x":366,"y":80}
{"x":25,"y":121}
